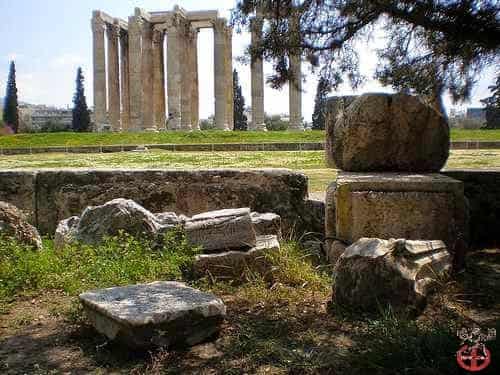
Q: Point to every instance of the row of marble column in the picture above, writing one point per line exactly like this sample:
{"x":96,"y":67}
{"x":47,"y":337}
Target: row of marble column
{"x":129,"y":95}
{"x":257,"y":82}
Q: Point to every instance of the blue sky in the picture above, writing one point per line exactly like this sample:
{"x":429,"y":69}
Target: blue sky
{"x":49,"y":39}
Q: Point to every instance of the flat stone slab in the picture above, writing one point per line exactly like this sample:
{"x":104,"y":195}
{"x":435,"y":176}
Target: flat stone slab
{"x":162,"y":313}
{"x":234,"y":265}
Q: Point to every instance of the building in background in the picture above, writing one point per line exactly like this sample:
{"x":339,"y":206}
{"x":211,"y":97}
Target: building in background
{"x":41,"y":118}
{"x":476,"y":114}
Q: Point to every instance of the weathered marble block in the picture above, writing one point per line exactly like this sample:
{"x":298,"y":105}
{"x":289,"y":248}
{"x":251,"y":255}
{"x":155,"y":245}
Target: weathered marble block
{"x":373,"y":273}
{"x":219,"y":230}
{"x":396,"y":205}
{"x":162,"y":313}
{"x":234,"y":264}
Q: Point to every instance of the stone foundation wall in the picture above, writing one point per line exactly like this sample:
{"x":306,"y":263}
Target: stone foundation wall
{"x":482,"y":190}
{"x":50,"y":196}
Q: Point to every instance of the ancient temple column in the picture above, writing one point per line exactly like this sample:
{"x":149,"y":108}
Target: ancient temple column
{"x":148,"y":123}
{"x":195,"y":96}
{"x":158,"y":79}
{"x":114,"y":77}
{"x":229,"y":77}
{"x":295,"y":94}
{"x":99,"y":56}
{"x":135,"y":26}
{"x":257,"y":80}
{"x":124,"y":56}
{"x":295,"y":84}
{"x":174,"y":74}
{"x":187,"y":77}
{"x":220,"y":81}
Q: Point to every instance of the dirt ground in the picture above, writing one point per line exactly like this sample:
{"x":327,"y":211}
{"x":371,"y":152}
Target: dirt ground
{"x":295,"y":333}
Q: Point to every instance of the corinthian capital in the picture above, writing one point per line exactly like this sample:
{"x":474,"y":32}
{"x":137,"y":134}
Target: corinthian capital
{"x":158,"y":36}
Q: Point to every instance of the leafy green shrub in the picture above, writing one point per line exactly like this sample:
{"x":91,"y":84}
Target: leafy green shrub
{"x":118,"y":261}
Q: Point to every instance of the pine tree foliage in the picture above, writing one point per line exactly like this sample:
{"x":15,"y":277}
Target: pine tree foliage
{"x":431,"y":46}
{"x":318,"y":117}
{"x":10,"y":110}
{"x":240,"y":119}
{"x":81,"y":114}
{"x":492,"y":104}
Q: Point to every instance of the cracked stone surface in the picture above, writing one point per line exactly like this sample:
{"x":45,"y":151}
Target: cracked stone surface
{"x":162,"y":313}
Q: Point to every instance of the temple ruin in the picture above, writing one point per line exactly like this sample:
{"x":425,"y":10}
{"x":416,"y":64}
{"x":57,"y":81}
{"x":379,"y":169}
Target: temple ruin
{"x":130,"y":87}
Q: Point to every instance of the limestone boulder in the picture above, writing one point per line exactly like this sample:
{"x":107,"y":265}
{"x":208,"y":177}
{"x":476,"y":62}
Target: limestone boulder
{"x":14,"y":224}
{"x":160,"y":314}
{"x":66,"y":232}
{"x":221,"y":230}
{"x":235,"y":265}
{"x":109,"y":219}
{"x":374,"y":273}
{"x":335,"y":251}
{"x":384,"y":132}
{"x":266,"y":224}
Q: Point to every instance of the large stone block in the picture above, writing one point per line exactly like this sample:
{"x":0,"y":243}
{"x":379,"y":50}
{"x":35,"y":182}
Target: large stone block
{"x":383,"y":132}
{"x":65,"y":193}
{"x":161,"y":314}
{"x":392,"y":205}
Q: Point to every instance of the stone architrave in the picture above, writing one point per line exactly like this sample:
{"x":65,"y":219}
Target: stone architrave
{"x":147,"y":78}
{"x":99,"y":57}
{"x":187,"y":76}
{"x":135,"y":71}
{"x":113,"y":35}
{"x":125,"y":85}
{"x":174,"y":72}
{"x":220,"y":66}
{"x":159,"y":79}
{"x":257,"y":79}
{"x":160,"y":314}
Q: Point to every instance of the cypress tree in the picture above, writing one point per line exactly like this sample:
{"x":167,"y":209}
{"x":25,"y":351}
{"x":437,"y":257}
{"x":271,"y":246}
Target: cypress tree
{"x":318,"y":117}
{"x":10,"y":110}
{"x":492,"y":104}
{"x":240,"y":120}
{"x":81,"y":114}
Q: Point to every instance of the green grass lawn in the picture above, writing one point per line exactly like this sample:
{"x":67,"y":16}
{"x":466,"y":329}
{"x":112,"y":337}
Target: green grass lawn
{"x":106,"y":139}
{"x":311,"y":163}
